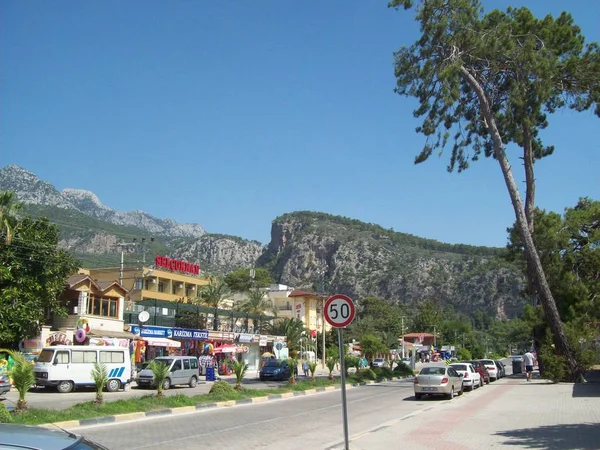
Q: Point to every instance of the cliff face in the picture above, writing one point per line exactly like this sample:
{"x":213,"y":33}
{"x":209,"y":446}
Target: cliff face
{"x":311,"y":250}
{"x":220,"y":254}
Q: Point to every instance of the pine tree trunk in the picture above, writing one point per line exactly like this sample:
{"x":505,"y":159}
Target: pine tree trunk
{"x":534,"y":264}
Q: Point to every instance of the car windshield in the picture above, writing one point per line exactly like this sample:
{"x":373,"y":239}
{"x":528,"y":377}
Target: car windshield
{"x":272,"y":363}
{"x":166,"y":361}
{"x":459,"y":366}
{"x":45,"y":356}
{"x":433,"y":371}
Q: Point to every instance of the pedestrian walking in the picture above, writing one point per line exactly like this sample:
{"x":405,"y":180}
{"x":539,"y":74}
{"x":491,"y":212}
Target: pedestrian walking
{"x":528,"y":360}
{"x":305,"y":368}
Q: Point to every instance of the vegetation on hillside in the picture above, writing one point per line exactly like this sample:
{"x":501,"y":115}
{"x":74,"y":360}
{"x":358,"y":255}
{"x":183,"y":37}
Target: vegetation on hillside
{"x":360,"y":228}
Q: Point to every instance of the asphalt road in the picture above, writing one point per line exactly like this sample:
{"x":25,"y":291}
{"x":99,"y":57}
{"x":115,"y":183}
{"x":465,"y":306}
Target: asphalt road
{"x":312,"y":421}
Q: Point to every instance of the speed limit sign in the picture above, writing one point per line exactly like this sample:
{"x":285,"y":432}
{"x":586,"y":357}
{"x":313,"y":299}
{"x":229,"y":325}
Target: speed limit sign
{"x":339,"y":311}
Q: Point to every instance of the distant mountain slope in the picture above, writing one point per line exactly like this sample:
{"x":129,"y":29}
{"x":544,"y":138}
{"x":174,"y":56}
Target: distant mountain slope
{"x":29,"y":189}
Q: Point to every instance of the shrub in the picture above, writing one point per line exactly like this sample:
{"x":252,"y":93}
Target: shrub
{"x":383,"y":372}
{"x":367,"y":374}
{"x":402,"y":370}
{"x":464,"y":354}
{"x":5,"y":416}
{"x":222,"y":388}
{"x":350,"y":361}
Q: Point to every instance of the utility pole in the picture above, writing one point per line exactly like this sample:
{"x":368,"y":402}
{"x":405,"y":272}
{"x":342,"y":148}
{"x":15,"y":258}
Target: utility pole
{"x":124,"y":246}
{"x":323,"y":270}
{"x":402,"y":341}
{"x":434,"y":336}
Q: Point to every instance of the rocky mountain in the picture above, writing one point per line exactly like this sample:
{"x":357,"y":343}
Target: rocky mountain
{"x":307,"y":250}
{"x":29,"y":189}
{"x":348,"y":256}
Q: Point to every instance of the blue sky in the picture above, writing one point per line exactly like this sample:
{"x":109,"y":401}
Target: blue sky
{"x":231,"y":113}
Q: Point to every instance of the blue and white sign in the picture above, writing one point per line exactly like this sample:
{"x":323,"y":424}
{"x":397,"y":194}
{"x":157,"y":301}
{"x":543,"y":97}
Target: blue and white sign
{"x":169,"y":333}
{"x":184,"y":333}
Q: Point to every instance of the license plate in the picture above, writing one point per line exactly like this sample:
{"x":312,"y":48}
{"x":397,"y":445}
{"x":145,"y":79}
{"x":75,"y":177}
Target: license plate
{"x":429,"y":389}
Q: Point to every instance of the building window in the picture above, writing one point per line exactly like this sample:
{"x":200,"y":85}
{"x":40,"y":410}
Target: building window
{"x":161,"y":286}
{"x":139,"y":284}
{"x":104,"y":307}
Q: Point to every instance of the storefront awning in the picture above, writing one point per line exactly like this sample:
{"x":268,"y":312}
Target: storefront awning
{"x":111,"y":334}
{"x":162,"y":342}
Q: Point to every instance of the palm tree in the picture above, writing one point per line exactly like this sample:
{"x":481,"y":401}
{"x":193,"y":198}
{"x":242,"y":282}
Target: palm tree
{"x":160,"y":371}
{"x":22,"y":376}
{"x":331,"y":363}
{"x":256,"y":302}
{"x":100,"y":376}
{"x":239,"y":370}
{"x":7,"y":221}
{"x":212,"y":295}
{"x":292,"y":329}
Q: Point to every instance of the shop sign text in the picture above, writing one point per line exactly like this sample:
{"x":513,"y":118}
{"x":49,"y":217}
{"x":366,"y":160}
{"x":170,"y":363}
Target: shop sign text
{"x":176,"y":265}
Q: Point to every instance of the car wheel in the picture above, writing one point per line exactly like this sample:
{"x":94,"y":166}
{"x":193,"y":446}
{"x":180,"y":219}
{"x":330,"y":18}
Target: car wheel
{"x":418,"y":396}
{"x":113,"y":385}
{"x":262,"y":378}
{"x":450,"y":396}
{"x":461,"y":391}
{"x":166,"y":384}
{"x":193,"y":382}
{"x":64,"y":387}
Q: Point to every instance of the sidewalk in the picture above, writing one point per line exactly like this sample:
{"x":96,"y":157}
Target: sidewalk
{"x":510,"y":412}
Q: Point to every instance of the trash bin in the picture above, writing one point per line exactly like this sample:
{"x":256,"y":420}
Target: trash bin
{"x":517,"y":366}
{"x":210,"y":374}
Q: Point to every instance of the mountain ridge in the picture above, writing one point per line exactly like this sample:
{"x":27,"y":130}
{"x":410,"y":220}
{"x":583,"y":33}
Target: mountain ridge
{"x":30,"y":189}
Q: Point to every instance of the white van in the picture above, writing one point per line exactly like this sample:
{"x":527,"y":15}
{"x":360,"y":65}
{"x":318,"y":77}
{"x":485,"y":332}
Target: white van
{"x":67,"y":366}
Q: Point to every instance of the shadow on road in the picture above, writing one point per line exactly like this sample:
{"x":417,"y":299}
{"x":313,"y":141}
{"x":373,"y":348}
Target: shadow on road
{"x":582,"y":436}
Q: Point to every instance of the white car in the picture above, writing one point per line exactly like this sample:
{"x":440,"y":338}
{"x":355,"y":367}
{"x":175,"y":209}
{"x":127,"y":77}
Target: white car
{"x":380,"y":362}
{"x":490,"y":365}
{"x":471,"y":378}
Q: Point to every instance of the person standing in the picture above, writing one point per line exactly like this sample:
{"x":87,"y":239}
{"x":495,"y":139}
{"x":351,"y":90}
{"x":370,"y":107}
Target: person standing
{"x":528,"y":360}
{"x":305,"y":368}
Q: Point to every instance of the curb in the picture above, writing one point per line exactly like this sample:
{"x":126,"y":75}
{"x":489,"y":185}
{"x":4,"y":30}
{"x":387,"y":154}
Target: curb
{"x":119,"y":418}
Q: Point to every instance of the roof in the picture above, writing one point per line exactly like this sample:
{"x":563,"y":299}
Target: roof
{"x":415,"y":335}
{"x":298,"y":293}
{"x":76,"y":279}
{"x":102,"y":286}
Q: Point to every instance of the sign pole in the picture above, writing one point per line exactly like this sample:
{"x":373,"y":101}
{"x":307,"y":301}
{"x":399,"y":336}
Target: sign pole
{"x":343,"y":379}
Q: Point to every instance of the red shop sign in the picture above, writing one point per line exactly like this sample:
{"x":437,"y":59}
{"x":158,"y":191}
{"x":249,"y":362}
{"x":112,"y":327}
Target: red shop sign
{"x":176,"y":265}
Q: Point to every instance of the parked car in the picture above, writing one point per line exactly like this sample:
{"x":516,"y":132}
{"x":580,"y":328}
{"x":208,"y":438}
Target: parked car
{"x":26,"y":437}
{"x":380,"y":362}
{"x":275,"y":369}
{"x":471,"y":378}
{"x":4,"y":383}
{"x":501,"y":369}
{"x":481,"y":369}
{"x":182,"y":370}
{"x":490,"y":365}
{"x":441,"y":380}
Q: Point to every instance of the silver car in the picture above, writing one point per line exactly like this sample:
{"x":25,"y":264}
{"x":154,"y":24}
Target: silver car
{"x":21,"y":437}
{"x":440,"y":380}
